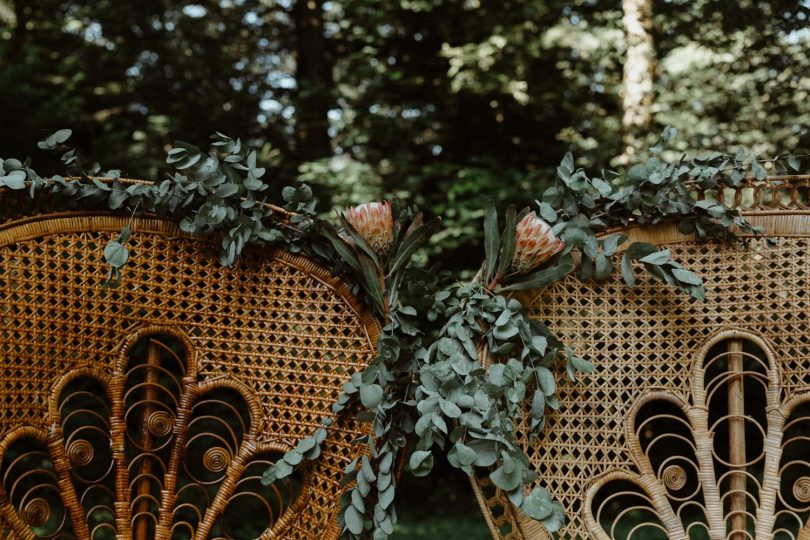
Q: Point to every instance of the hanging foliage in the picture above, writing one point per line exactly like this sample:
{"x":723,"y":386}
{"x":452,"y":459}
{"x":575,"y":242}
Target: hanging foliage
{"x":427,"y":389}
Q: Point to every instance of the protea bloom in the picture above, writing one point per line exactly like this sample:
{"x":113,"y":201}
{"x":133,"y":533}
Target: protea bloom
{"x":375,"y":223}
{"x":534,"y":244}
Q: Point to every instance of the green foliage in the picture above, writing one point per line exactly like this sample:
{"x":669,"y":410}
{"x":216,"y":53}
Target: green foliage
{"x":423,"y":392}
{"x":581,"y":207}
{"x":216,"y":192}
{"x":471,"y":412}
{"x":444,"y":104}
{"x":383,"y":394}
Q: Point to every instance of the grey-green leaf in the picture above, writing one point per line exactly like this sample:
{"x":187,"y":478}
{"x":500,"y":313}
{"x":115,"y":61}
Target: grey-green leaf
{"x":14,"y":180}
{"x":371,"y":396}
{"x":658,"y":258}
{"x":687,"y":276}
{"x":465,"y":454}
{"x":485,"y":451}
{"x":116,"y":254}
{"x":353,"y":519}
{"x":545,"y":379}
{"x":537,"y":504}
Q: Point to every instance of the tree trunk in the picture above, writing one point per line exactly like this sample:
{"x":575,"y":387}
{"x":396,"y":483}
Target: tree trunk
{"x":314,"y":80}
{"x":637,"y":80}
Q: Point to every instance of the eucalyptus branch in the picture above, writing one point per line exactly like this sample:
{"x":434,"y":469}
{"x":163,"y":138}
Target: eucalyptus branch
{"x":422,"y":393}
{"x":378,"y":241}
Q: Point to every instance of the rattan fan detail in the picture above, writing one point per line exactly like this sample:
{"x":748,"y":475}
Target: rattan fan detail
{"x":672,"y":370}
{"x":221,"y":369}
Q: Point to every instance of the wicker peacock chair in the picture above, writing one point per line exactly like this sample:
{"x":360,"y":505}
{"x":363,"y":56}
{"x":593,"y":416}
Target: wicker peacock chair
{"x":151,"y":410}
{"x":696,"y":423}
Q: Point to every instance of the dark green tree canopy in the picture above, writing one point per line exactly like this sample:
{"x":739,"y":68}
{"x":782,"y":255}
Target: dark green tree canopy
{"x":447,"y":103}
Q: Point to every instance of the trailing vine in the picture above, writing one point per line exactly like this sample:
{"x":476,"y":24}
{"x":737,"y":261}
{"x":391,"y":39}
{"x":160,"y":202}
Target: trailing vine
{"x":427,"y":391}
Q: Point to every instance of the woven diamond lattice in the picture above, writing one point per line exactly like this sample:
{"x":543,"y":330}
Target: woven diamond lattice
{"x":690,"y":426}
{"x":151,"y":409}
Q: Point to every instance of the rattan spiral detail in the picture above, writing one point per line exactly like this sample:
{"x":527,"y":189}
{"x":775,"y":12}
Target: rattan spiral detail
{"x":674,"y":477}
{"x":801,"y":490}
{"x":657,"y":443}
{"x":152,"y":410}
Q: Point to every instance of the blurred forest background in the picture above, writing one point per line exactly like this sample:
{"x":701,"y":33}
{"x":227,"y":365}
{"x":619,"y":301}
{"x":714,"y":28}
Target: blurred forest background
{"x":445,"y":103}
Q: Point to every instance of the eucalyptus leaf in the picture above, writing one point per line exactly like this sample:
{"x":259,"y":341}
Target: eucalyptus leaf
{"x":354,"y":520}
{"x":687,"y":276}
{"x":62,"y":135}
{"x":612,"y":242}
{"x":580,"y":364}
{"x":125,"y":234}
{"x":465,"y":455}
{"x":657,"y":258}
{"x":14,"y":180}
{"x":794,"y":163}
{"x":603,"y":267}
{"x":485,"y":452}
{"x":537,"y":504}
{"x":421,"y":462}
{"x":547,"y":212}
{"x":116,"y":254}
{"x":627,"y":269}
{"x":450,"y":409}
{"x":546,"y":381}
{"x":371,"y":395}
{"x":507,"y":478}
{"x":386,"y":497}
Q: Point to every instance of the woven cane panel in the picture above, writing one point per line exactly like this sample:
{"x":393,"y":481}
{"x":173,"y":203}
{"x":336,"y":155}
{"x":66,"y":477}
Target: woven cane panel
{"x":647,"y":340}
{"x":277,"y":328}
{"x":648,"y":343}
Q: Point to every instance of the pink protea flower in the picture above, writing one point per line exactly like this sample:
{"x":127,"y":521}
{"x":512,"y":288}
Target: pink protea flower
{"x":534,"y":244}
{"x":375,"y":223}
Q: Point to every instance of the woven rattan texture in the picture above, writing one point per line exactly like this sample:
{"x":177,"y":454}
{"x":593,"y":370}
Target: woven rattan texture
{"x":280,"y":327}
{"x":649,"y":340}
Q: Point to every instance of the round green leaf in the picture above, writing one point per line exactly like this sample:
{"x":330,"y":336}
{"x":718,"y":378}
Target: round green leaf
{"x":293,"y":457}
{"x":62,"y":135}
{"x":421,"y":462}
{"x":14,"y":180}
{"x":485,"y":452}
{"x":353,"y":519}
{"x":116,"y":254}
{"x":538,"y":504}
{"x":11,"y":164}
{"x":371,"y":396}
{"x":465,"y":454}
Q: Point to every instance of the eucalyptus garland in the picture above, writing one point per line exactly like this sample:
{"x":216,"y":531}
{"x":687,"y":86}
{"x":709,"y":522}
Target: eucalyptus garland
{"x":475,"y":414}
{"x":424,"y":392}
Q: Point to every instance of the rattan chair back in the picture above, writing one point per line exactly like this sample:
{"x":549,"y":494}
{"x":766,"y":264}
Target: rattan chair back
{"x":697,"y":421}
{"x":152,"y":409}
